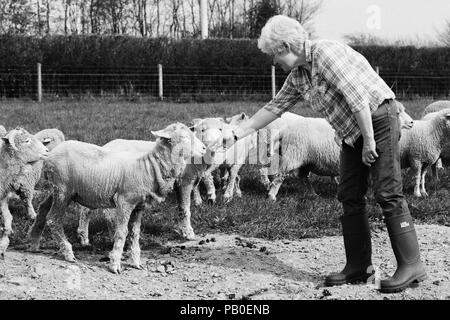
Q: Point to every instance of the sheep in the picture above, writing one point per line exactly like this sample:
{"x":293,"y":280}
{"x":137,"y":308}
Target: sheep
{"x":18,"y":151}
{"x":429,"y":112}
{"x":421,"y":147}
{"x":209,"y":131}
{"x":25,"y":183}
{"x":230,"y":161}
{"x":99,"y":178}
{"x":307,"y":145}
{"x":436,"y":106}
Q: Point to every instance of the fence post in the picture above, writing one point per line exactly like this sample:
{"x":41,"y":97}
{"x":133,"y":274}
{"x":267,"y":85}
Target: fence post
{"x":274,"y":89}
{"x":160,"y":81}
{"x":39,"y":83}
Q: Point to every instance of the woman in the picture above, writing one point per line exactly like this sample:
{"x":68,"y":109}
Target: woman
{"x":339,"y":83}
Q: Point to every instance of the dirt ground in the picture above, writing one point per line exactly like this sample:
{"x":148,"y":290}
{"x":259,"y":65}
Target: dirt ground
{"x":219,"y":266}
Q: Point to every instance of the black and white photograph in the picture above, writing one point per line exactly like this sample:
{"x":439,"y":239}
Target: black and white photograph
{"x":224,"y":154}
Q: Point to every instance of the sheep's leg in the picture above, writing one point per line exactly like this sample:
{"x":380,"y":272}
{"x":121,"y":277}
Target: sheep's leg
{"x":275,"y":186}
{"x":37,"y":228}
{"x":30,"y":209}
{"x":224,"y":178}
{"x":304,"y":177}
{"x":109,"y":217}
{"x":229,"y":191}
{"x":423,"y":191}
{"x":416,"y":168}
{"x":135,"y":221}
{"x":238,"y":187}
{"x":184,"y":227}
{"x":7,"y":228}
{"x":196,"y":194}
{"x":83,"y":226}
{"x":264,"y":178}
{"x":55,"y":222}
{"x":208,"y":180}
{"x":121,"y":219}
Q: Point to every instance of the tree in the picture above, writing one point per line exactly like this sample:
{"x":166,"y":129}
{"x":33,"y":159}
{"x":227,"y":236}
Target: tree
{"x":444,"y":35}
{"x":303,"y":11}
{"x":363,"y":39}
{"x":259,"y":14}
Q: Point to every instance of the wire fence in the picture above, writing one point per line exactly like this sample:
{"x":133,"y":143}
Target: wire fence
{"x":38,"y":82}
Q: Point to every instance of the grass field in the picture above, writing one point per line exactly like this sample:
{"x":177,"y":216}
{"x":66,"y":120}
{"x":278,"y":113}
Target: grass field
{"x":292,"y":216}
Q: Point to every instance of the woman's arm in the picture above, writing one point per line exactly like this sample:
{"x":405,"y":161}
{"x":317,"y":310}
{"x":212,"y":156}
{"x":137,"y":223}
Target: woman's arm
{"x":364,"y":118}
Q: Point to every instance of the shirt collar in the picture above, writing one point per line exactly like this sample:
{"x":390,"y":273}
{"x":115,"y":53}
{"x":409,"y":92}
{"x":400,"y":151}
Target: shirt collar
{"x":308,"y":51}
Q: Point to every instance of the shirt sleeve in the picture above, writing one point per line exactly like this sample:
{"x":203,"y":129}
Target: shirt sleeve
{"x":287,"y":97}
{"x":345,"y":68}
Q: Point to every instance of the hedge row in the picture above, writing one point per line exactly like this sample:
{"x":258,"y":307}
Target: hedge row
{"x":419,"y":70}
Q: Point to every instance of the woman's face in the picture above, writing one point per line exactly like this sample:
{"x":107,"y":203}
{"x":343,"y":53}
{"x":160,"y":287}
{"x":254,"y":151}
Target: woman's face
{"x":287,"y":59}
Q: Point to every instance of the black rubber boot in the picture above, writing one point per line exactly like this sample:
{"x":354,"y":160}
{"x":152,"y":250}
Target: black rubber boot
{"x":358,"y":251}
{"x":406,"y":250}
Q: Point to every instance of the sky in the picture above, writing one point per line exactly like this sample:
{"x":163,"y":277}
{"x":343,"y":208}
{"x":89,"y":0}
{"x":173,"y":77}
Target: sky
{"x":391,"y":19}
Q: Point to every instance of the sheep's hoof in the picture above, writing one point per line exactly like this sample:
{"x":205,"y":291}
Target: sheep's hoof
{"x":84,"y":242}
{"x":34,"y":248}
{"x":424,"y":194}
{"x":114,"y":268}
{"x":69,"y":258}
{"x":418,"y":195}
{"x":190,"y":236}
{"x":271,"y":198}
{"x":137,"y":266}
{"x":198,"y":203}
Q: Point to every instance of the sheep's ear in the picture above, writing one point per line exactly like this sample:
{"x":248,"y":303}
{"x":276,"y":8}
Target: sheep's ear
{"x":162,"y":134}
{"x":10,"y":137}
{"x":196,"y":121}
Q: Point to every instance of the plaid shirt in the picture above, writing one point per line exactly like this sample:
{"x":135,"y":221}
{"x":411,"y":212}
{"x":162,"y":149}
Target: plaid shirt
{"x":342,"y":82}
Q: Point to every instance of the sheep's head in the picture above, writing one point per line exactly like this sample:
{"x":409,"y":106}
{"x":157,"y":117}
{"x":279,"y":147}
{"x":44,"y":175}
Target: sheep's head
{"x":182,"y":141}
{"x":210,"y":131}
{"x":50,"y":138}
{"x":444,"y":119}
{"x":237,"y":119}
{"x":25,"y":146}
{"x":406,"y":122}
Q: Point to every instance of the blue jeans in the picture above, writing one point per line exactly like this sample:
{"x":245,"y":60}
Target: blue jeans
{"x":385,"y":172}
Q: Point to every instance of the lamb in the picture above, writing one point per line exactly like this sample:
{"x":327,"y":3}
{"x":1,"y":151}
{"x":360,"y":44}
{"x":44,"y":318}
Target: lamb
{"x":307,"y":145}
{"x":421,"y":146}
{"x":429,"y":112}
{"x":209,"y":131}
{"x":18,"y":151}
{"x":25,"y":183}
{"x":99,"y":178}
{"x":436,"y":106}
{"x":230,"y":161}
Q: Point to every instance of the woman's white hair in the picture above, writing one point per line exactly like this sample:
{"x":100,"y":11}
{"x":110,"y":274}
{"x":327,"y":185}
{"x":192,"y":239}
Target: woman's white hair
{"x":279,"y":30}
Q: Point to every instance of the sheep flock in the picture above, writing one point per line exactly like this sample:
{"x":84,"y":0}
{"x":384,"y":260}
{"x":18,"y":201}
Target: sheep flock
{"x":121,"y":178}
